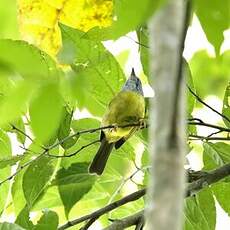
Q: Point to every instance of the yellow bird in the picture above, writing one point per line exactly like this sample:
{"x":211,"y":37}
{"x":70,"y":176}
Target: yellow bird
{"x":127,"y":107}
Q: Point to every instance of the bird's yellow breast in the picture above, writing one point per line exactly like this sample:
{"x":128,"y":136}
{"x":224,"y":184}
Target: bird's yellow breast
{"x":126,"y":107}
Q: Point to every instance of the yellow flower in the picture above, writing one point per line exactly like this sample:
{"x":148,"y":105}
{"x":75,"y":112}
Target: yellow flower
{"x":38,"y":19}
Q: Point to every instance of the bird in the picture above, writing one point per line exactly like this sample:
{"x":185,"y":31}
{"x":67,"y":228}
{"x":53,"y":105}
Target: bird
{"x":126,"y":107}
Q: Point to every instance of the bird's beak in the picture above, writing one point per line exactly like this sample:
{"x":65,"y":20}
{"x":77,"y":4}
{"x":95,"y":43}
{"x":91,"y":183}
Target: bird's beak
{"x":133,"y":75}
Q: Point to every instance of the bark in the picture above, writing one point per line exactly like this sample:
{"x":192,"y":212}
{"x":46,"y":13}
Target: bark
{"x":167,"y":120}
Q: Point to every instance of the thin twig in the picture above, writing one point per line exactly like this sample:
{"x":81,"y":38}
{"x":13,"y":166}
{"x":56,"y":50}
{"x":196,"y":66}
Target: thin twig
{"x":20,"y":131}
{"x":22,"y":167}
{"x":74,"y":153}
{"x":208,"y":106}
{"x":209,"y":125}
{"x":198,"y":137}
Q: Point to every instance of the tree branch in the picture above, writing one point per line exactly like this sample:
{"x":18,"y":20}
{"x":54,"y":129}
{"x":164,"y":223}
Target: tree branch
{"x":205,"y":180}
{"x":126,"y":222}
{"x":95,"y":215}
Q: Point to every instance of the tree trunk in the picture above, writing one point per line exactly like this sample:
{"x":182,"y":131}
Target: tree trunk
{"x":167,"y":119}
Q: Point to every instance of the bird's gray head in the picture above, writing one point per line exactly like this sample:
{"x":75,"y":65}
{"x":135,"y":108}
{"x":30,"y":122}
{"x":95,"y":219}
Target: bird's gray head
{"x":133,"y":84}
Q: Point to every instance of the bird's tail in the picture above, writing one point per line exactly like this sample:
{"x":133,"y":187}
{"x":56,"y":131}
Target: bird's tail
{"x":101,"y":157}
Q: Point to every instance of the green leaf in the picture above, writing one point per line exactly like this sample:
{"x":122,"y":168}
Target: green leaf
{"x":143,"y":38}
{"x":214,"y":18}
{"x":221,"y":191}
{"x":5,"y":148}
{"x":27,"y":60}
{"x":9,"y":161}
{"x":14,"y":103}
{"x":189,"y":81}
{"x":10,"y":226}
{"x":206,"y":203}
{"x":49,"y":220}
{"x":73,"y":183}
{"x":97,"y":66}
{"x":17,"y":194}
{"x":214,"y":77}
{"x":64,"y":129}
{"x":45,"y":112}
{"x":215,"y":155}
{"x":23,"y":219}
{"x":86,"y":154}
{"x":36,"y":179}
{"x":125,"y":20}
{"x":195,"y":217}
{"x":226,"y":105}
{"x":49,"y":199}
{"x":19,"y":124}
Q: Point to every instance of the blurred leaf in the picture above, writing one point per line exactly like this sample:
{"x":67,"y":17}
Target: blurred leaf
{"x":73,"y":183}
{"x":143,"y":39}
{"x":49,"y":220}
{"x":14,"y":103}
{"x":64,"y":129}
{"x":214,"y":19}
{"x":23,"y":219}
{"x":10,"y":226}
{"x":45,"y":112}
{"x":97,"y":66}
{"x":5,"y":148}
{"x":27,"y":60}
{"x":214,"y":77}
{"x":9,"y":27}
{"x":226,"y":105}
{"x":36,"y":178}
{"x":125,"y":20}
{"x":221,"y":191}
{"x":215,"y":155}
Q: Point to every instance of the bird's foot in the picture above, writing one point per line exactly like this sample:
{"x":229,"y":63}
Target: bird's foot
{"x":143,"y":123}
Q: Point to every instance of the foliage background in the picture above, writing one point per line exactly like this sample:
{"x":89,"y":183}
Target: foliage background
{"x":44,"y":89}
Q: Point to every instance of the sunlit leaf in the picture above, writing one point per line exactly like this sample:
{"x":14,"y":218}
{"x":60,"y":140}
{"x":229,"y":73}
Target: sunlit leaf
{"x":216,"y":21}
{"x":214,"y":77}
{"x":221,"y":192}
{"x":27,"y":60}
{"x":10,"y":226}
{"x":36,"y":178}
{"x":49,"y":220}
{"x":73,"y":183}
{"x":15,"y":102}
{"x":23,"y":219}
{"x":215,"y":155}
{"x":195,"y":218}
{"x":45,"y":112}
{"x":5,"y":148}
{"x":97,"y":65}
